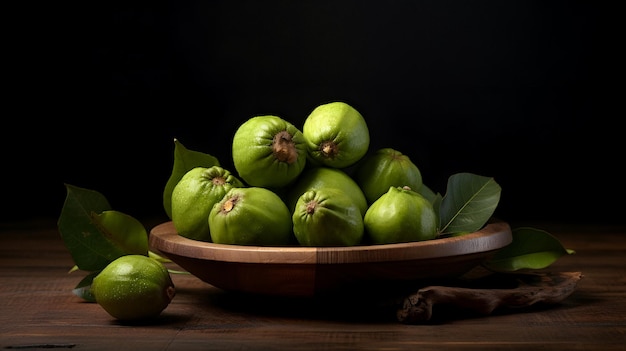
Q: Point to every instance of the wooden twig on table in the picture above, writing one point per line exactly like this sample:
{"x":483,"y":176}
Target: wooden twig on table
{"x":533,"y":288}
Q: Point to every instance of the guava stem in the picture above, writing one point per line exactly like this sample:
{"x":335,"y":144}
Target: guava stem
{"x":229,"y":204}
{"x":329,"y":149}
{"x":284,"y":148}
{"x":310,"y":207}
{"x":218,"y":180}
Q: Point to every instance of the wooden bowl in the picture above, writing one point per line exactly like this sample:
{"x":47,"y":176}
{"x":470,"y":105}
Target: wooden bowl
{"x":311,"y":271}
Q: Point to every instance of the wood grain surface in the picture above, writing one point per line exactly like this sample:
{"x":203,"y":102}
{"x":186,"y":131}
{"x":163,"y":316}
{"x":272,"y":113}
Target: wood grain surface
{"x":39,"y":311}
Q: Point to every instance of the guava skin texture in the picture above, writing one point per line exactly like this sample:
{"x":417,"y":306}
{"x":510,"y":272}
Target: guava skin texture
{"x":268,"y":152}
{"x":386,"y":168}
{"x":326,"y":177}
{"x":400,"y":215}
{"x":336,"y":135}
{"x":133,"y":287}
{"x":327,"y":217}
{"x":251,"y":216}
{"x":193,"y":198}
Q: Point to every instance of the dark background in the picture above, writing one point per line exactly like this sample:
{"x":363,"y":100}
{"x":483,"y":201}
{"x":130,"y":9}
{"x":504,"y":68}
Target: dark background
{"x":515,"y":90}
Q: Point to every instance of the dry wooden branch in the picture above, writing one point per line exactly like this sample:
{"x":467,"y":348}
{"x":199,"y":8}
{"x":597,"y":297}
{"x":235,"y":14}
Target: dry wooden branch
{"x":532,"y":288}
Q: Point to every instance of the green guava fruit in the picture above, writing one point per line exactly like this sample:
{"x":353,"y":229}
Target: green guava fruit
{"x":386,"y":168}
{"x":400,"y":215}
{"x":327,"y":217}
{"x":251,"y":216}
{"x":336,"y":135}
{"x":194,"y":196}
{"x":133,"y":287}
{"x":268,"y":152}
{"x":326,"y":177}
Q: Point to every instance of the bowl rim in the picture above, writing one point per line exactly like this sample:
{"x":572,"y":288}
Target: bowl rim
{"x":494,"y":235}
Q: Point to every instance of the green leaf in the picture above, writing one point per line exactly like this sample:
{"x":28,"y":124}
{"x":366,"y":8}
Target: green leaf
{"x":184,"y":161}
{"x":90,"y":250}
{"x":468,"y":204}
{"x":83,"y":289}
{"x":124,"y":231}
{"x":530,"y":249}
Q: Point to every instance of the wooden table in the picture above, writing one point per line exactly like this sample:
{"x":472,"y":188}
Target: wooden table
{"x":39,"y":311}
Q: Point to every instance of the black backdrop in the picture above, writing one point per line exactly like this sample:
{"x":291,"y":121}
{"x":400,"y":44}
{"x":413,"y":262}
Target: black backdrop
{"x":509,"y":89}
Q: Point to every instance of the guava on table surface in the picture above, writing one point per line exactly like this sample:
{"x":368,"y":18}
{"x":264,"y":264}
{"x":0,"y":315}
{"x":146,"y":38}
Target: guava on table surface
{"x":133,"y":287}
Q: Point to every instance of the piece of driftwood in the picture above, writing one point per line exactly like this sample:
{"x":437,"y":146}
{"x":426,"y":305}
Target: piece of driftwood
{"x":498,"y":291}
